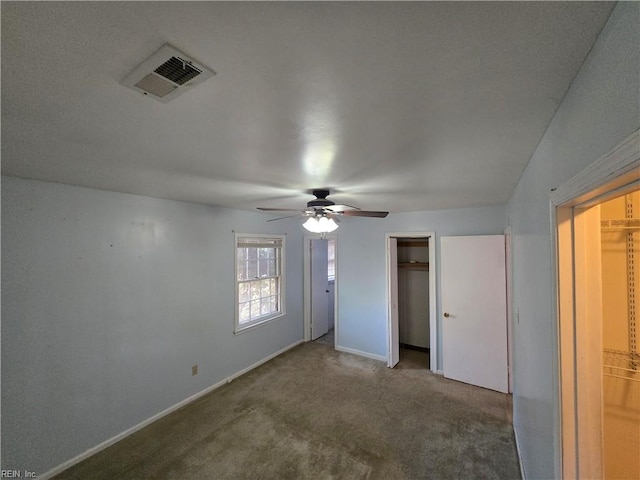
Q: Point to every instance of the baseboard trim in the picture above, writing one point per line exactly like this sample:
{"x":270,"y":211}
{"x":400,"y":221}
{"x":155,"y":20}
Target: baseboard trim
{"x":515,"y":434}
{"x":416,"y":348}
{"x":373,"y":356}
{"x":107,"y":443}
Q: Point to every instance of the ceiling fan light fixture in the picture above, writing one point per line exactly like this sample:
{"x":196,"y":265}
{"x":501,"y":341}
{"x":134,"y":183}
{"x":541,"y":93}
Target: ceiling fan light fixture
{"x":322,"y":213}
{"x":320,"y":224}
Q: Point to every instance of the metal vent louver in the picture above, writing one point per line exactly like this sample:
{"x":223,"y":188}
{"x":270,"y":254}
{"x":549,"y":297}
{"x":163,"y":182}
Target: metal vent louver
{"x":166,"y":74}
{"x":178,"y":70}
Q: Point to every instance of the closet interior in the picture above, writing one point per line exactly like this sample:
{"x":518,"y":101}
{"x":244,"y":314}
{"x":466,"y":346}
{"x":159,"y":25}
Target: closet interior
{"x":620,"y":242}
{"x":413,"y":295}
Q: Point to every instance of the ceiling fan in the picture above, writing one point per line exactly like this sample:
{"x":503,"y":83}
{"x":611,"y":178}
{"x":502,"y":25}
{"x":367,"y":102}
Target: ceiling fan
{"x":323,"y":213}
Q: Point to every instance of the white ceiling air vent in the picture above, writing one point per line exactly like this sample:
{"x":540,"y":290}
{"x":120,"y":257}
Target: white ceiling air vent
{"x":166,"y":74}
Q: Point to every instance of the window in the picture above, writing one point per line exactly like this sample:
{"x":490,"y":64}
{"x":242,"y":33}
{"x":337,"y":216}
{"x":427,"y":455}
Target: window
{"x":331,"y":260}
{"x":259,"y":279}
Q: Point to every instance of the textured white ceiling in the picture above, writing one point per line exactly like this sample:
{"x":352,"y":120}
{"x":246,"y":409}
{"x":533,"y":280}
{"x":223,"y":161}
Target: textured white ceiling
{"x":392,"y":105}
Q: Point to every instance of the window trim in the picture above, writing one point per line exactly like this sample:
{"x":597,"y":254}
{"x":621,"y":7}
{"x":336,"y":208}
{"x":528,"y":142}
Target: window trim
{"x":238,"y":328}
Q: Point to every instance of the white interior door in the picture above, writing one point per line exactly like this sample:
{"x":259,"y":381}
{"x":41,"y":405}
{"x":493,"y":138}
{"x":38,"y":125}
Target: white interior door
{"x":319,"y":288}
{"x":474,"y":325}
{"x":394,"y":336}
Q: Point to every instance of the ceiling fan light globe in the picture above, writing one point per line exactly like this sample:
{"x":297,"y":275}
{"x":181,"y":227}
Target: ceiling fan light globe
{"x":328,"y":224}
{"x":320,"y":225}
{"x":312,"y":225}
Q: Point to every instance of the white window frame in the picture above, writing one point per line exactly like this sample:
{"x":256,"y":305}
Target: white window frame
{"x":261,"y":320}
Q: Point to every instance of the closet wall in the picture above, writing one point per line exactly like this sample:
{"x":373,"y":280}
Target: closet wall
{"x":620,"y":235}
{"x":413,"y":291}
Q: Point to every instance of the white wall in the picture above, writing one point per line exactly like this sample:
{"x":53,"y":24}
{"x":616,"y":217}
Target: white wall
{"x":108,"y":299}
{"x":362,"y":284}
{"x":600,"y":109}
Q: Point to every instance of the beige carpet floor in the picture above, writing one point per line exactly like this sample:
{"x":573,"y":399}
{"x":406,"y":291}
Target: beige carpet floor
{"x":315,"y":413}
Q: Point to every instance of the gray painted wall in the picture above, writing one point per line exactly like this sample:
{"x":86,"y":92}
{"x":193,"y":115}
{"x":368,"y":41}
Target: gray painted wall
{"x":108,"y":299}
{"x":362,"y":282}
{"x":600,"y":110}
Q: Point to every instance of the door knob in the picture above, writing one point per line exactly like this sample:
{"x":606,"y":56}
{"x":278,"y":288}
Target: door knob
{"x":446,"y":314}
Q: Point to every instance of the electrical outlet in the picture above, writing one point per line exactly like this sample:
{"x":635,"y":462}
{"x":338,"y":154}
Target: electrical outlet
{"x":516,"y":315}
{"x":194,"y":370}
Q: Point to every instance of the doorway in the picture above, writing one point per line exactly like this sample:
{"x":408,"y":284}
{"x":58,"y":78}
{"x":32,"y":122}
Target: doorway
{"x":597,"y":221}
{"x":411,"y":299}
{"x":320,"y":283}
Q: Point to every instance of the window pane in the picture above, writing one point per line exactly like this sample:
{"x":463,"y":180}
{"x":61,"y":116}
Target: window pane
{"x":244,"y":313}
{"x":242,"y":270}
{"x":265,"y":306}
{"x":252,"y":269}
{"x":331,"y":260}
{"x":265,"y":288}
{"x":255,"y":290}
{"x":255,"y":308}
{"x":263,"y":268}
{"x":243,"y":292}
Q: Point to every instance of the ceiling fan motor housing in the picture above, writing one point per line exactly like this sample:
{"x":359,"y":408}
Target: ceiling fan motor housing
{"x":321,"y":199}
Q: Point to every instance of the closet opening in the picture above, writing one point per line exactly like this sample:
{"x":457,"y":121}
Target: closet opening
{"x":411,"y":282}
{"x":597,"y":220}
{"x":413,"y":302}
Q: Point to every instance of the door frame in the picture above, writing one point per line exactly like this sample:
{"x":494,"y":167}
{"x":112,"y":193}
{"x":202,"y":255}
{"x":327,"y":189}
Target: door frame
{"x":307,"y":285}
{"x":607,"y":176}
{"x":508,"y":269}
{"x":433,"y":327}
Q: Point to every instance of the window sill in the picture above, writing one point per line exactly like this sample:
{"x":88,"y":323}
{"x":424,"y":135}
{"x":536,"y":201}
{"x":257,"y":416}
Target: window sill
{"x":243,"y":329}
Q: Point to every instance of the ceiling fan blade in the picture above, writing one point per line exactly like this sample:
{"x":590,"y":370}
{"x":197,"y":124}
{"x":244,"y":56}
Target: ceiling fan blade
{"x":265,"y":209}
{"x":282,"y":218}
{"x":364,"y":213}
{"x":340,"y":208}
{"x":321,"y":207}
